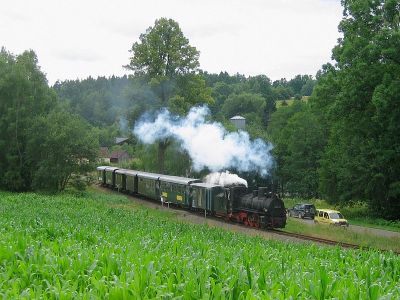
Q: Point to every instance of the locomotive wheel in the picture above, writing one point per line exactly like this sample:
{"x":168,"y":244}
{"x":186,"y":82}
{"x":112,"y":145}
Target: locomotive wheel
{"x":254,"y":220}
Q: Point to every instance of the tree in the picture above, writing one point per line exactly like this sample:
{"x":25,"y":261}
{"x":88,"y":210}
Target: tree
{"x":308,"y":87}
{"x":298,"y":82}
{"x":162,"y":55}
{"x":357,"y":102}
{"x":40,"y":144}
{"x":262,"y":84}
{"x":298,"y":145}
{"x":190,"y":90}
{"x":220,"y":93}
{"x":61,"y":144}
{"x":305,"y":144}
{"x":241,"y":104}
{"x":24,"y":96}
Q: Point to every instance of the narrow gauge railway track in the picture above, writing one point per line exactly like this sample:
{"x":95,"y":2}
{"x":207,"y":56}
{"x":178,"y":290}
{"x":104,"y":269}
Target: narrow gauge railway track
{"x":273,"y":231}
{"x":292,"y":234}
{"x":328,"y":242}
{"x":317,"y":239}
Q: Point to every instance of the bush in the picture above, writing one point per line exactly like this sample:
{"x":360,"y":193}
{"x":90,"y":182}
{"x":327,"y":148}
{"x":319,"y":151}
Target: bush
{"x":79,"y":182}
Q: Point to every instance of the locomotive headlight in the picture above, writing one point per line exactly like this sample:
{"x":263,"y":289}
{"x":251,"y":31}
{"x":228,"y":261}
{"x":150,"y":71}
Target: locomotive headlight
{"x":265,"y":209}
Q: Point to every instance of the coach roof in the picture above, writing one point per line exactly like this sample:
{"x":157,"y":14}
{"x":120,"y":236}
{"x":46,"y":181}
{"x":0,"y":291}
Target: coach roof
{"x":179,"y":180}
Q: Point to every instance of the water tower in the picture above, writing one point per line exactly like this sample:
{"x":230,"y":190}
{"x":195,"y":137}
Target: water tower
{"x":239,"y":122}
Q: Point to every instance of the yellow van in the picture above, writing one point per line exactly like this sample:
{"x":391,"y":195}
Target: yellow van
{"x":330,"y":217}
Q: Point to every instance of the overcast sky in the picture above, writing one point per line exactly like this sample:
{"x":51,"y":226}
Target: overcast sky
{"x":76,"y":39}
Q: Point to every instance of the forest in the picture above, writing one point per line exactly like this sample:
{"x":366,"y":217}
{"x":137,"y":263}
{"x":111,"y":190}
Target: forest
{"x":335,"y":135}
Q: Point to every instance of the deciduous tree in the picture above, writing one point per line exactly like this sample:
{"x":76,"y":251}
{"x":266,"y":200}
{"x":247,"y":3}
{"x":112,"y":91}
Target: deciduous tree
{"x":60,"y":145}
{"x":357,"y":101}
{"x":24,"y":96}
{"x":163,"y":54}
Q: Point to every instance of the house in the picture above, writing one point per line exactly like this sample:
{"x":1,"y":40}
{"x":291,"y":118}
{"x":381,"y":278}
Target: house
{"x":118,"y":156}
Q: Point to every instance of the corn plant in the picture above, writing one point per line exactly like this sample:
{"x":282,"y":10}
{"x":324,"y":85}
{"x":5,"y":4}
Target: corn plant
{"x":103,"y":246}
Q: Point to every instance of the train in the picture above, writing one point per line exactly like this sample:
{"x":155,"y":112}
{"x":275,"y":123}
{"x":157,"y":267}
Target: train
{"x":259,"y":208}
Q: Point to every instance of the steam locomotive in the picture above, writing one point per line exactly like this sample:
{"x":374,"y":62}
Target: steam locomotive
{"x":260,"y":208}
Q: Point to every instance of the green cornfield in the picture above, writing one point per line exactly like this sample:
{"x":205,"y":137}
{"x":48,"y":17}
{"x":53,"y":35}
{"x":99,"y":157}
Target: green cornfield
{"x":101,"y":246}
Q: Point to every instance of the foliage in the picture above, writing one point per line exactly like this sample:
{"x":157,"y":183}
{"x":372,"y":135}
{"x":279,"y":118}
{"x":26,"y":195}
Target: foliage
{"x":165,"y":58}
{"x":40,"y":144}
{"x":101,"y":246}
{"x":299,"y":86}
{"x":357,"y":103}
{"x":60,"y":145}
{"x":191,"y":90}
{"x":242,"y":104}
{"x":163,"y":52}
{"x":24,"y":97}
{"x":99,"y":101}
{"x":299,"y":142}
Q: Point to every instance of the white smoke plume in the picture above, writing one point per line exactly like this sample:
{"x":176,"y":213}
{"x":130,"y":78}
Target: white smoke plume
{"x":224,"y":179}
{"x":209,"y":144}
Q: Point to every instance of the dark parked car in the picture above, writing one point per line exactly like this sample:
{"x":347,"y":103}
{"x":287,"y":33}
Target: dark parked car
{"x":303,"y":211}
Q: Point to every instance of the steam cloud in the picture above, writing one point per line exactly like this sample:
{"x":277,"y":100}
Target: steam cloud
{"x":208,"y":143}
{"x":224,"y":179}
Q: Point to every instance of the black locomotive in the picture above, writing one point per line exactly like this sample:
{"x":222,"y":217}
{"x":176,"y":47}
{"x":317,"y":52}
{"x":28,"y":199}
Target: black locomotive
{"x":260,"y":208}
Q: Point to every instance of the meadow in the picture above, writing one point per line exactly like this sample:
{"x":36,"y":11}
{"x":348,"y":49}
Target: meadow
{"x":102,"y":246}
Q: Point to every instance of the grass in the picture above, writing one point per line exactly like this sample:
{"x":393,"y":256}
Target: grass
{"x":279,"y":103}
{"x":376,"y":223}
{"x":99,"y":246}
{"x":342,"y":234}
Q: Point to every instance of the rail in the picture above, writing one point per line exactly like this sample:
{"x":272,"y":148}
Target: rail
{"x":327,"y":241}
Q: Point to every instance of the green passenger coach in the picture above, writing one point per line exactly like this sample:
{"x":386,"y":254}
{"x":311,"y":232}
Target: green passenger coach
{"x":101,"y":175}
{"x":176,"y":190}
{"x":120,"y":179}
{"x":147,"y":185}
{"x":110,"y":175}
{"x":209,"y":197}
{"x":131,"y":182}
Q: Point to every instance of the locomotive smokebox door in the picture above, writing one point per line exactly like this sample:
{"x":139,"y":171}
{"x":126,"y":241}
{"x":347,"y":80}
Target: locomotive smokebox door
{"x":262,"y":192}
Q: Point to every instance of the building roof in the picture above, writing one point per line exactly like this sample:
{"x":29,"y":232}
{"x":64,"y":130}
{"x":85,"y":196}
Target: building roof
{"x":237,"y":118}
{"x":121,"y":140}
